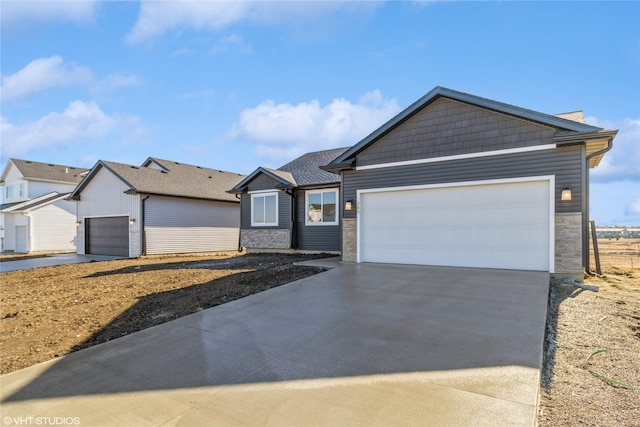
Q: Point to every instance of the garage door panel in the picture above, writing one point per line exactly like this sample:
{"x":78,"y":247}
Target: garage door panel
{"x":494,"y":226}
{"x":108,"y":236}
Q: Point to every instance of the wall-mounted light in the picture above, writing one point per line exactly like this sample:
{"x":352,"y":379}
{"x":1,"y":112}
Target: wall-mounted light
{"x":78,"y":223}
{"x":132,"y":221}
{"x":348,"y":205}
{"x":566,"y":194}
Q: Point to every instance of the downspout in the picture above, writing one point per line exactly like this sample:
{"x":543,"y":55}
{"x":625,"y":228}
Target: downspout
{"x":292,"y":237}
{"x":585,"y":220}
{"x":143,"y":229}
{"x":239,"y":197}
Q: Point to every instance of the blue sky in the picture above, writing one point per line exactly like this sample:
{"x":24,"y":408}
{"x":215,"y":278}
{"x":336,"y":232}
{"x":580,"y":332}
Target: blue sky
{"x":236,"y":85}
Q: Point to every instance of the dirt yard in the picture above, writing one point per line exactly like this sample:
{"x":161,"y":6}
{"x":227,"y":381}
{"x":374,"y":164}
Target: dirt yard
{"x":592,"y":366}
{"x":52,"y":311}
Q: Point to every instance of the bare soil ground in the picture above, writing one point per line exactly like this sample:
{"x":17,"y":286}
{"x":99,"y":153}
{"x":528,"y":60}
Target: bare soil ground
{"x":592,"y":357}
{"x":52,"y":311}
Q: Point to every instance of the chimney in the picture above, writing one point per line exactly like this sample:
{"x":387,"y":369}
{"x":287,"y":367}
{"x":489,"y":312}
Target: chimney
{"x":576,"y":116}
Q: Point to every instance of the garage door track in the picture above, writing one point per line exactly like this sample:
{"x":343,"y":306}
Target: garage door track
{"x":358,"y":345}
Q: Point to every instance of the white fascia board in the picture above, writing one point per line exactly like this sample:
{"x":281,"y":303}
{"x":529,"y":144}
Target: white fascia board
{"x":460,"y":157}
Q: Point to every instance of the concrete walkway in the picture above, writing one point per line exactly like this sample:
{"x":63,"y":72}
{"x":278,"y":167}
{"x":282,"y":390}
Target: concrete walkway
{"x":369,"y":345}
{"x":53,"y":259}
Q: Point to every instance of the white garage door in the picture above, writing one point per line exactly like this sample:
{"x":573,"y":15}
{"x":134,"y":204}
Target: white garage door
{"x":505,"y":225}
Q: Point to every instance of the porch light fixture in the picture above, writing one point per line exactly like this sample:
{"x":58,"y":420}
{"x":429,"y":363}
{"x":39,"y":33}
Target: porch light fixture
{"x":348,"y":205}
{"x":78,"y":223}
{"x":566,"y":194}
{"x":132,"y":221}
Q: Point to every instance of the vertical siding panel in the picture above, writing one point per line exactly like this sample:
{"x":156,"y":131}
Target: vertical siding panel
{"x":105,"y":195}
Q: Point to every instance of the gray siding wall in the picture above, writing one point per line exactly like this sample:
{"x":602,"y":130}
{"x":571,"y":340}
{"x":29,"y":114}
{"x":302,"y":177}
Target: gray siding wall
{"x":314,"y":237}
{"x":447,"y":127}
{"x":565,"y":163}
{"x":284,"y":211}
{"x":180,"y":225}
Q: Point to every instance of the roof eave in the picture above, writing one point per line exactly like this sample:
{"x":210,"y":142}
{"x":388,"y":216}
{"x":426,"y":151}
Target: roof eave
{"x":489,"y":104}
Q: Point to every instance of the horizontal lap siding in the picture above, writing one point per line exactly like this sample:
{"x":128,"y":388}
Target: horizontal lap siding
{"x":314,"y":237}
{"x":53,"y":227}
{"x":174,"y":225}
{"x":565,"y":163}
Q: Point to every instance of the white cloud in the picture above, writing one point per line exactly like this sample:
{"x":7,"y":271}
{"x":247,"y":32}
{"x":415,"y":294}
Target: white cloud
{"x":157,"y":17}
{"x":623,"y":161}
{"x":284,"y":131}
{"x":82,"y":122}
{"x":16,"y":15}
{"x":41,"y":74}
{"x":115,"y":81}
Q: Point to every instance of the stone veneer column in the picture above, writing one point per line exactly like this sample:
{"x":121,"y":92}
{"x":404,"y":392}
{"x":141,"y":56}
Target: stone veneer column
{"x":349,"y":240}
{"x":568,"y":256}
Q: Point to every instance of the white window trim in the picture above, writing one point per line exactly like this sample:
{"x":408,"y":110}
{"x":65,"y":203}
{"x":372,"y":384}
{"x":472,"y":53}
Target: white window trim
{"x":459,"y":157}
{"x":265,"y":194}
{"x":306,"y":207}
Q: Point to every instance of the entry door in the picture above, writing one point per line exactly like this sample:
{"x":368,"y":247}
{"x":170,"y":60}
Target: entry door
{"x":504,"y":225}
{"x":21,"y":239}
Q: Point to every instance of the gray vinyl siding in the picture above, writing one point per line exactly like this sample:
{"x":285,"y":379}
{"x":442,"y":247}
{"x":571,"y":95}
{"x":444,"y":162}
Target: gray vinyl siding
{"x":565,"y":163}
{"x":180,"y":225}
{"x":284,"y":211}
{"x":314,"y":238}
{"x":447,"y":127}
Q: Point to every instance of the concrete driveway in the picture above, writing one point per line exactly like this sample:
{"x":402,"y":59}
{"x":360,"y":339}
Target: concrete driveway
{"x":53,"y":259}
{"x":358,"y":345}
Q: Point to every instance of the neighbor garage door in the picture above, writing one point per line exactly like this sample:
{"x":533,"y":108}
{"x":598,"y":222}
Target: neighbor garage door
{"x":505,"y":225}
{"x":108,"y":236}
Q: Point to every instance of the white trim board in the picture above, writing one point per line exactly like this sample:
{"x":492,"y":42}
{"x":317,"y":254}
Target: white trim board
{"x":551,"y":179}
{"x":459,"y":157}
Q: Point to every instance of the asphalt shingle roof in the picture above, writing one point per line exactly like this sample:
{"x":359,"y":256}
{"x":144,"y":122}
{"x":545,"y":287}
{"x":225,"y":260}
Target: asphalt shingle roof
{"x":179,"y":179}
{"x":49,"y":171}
{"x":306,"y":168}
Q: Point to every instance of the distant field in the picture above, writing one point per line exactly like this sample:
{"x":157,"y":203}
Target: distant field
{"x":621,"y":253}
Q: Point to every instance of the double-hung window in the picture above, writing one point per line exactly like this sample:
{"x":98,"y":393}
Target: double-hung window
{"x":21,"y":188}
{"x":8,"y":192}
{"x":264,"y":209}
{"x":322,"y":207}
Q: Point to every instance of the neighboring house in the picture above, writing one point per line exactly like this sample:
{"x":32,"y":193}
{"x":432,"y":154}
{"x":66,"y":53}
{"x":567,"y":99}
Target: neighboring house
{"x":459,"y":180}
{"x":34,"y":215}
{"x":159,"y":207}
{"x":294,"y":207}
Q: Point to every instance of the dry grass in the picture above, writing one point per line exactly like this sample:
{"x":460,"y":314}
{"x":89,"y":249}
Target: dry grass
{"x":588,"y":386}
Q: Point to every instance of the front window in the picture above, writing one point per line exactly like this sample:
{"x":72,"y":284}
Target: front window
{"x":322,"y":207}
{"x":8,"y":192}
{"x":21,"y":190}
{"x":264,"y":209}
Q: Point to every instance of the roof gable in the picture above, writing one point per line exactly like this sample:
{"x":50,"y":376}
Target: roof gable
{"x":561,"y":125}
{"x":181,"y":180}
{"x":300,"y":172}
{"x":34,"y":203}
{"x":44,"y":171}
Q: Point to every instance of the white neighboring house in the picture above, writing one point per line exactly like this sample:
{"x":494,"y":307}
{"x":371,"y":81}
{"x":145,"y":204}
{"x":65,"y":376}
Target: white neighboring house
{"x":35,"y":215}
{"x":159,"y":207}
